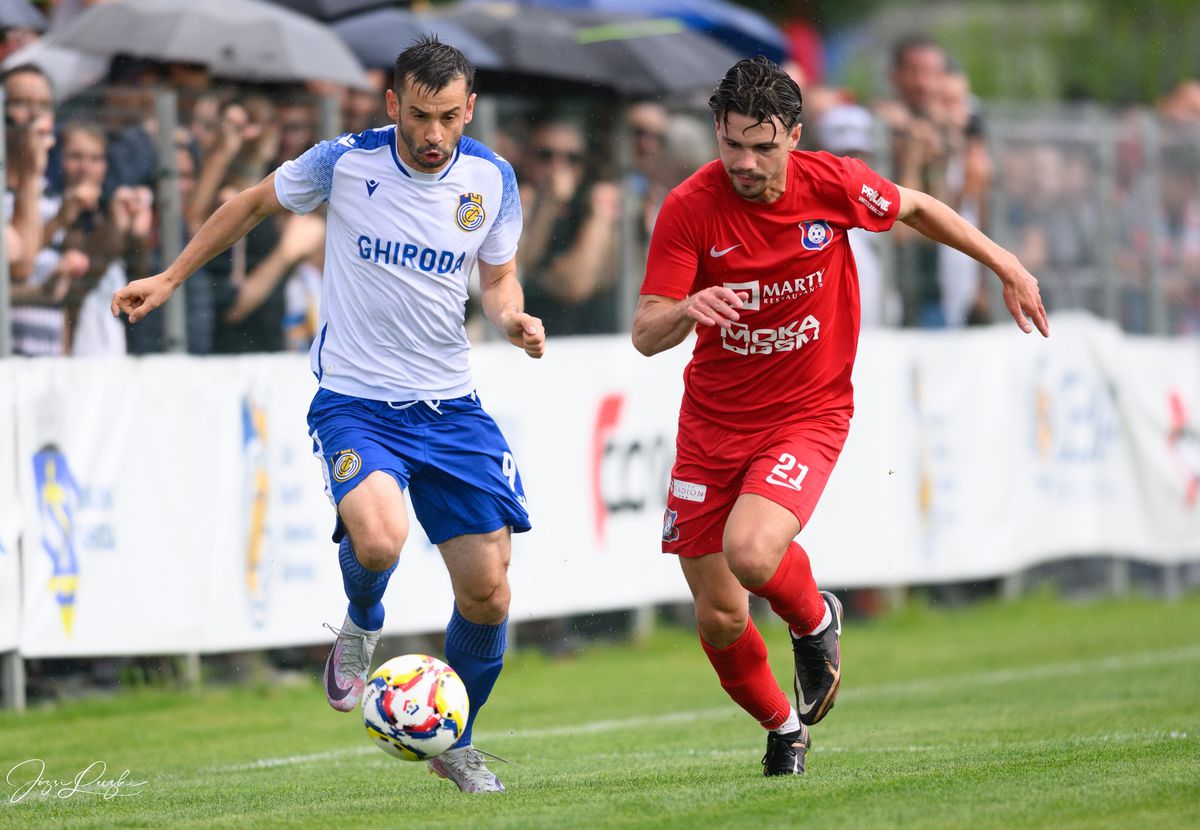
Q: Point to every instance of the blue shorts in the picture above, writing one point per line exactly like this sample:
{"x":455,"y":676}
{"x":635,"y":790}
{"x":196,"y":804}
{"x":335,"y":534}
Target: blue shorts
{"x":463,"y":476}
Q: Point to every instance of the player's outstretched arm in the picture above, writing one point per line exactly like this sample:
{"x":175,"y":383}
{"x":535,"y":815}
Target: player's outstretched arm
{"x":661,"y":323}
{"x":934,"y":219}
{"x":504,"y":303}
{"x":227,"y":225}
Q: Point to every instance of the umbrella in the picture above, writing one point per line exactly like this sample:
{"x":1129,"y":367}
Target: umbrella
{"x":376,"y":37}
{"x":631,"y":55}
{"x":654,"y":56}
{"x":332,"y":9}
{"x":742,"y":30}
{"x":19,"y":14}
{"x":240,"y":39}
{"x":541,"y":44}
{"x":69,"y":70}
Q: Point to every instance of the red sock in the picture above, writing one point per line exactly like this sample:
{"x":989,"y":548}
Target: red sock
{"x":746,"y":675}
{"x":793,"y":593}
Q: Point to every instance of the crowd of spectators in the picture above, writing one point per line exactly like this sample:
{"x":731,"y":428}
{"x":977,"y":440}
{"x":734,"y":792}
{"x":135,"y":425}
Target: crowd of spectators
{"x":83,"y":180}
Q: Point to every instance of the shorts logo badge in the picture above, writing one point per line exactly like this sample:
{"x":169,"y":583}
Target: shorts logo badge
{"x":346,"y":465}
{"x":688,"y":491}
{"x":670,"y":531}
{"x":470,"y":214}
{"x":817,"y":234}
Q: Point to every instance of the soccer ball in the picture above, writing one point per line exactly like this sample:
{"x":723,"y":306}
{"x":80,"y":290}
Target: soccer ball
{"x":415,"y":707}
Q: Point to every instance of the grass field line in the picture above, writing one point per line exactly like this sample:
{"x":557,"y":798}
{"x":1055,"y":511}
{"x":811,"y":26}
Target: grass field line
{"x":970,"y":679}
{"x":1045,"y":671}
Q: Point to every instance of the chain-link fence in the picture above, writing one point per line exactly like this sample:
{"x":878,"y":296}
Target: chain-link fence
{"x":1102,"y":206}
{"x":1105,"y":209}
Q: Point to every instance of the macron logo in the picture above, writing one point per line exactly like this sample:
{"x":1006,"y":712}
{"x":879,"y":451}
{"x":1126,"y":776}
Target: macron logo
{"x":371,"y":185}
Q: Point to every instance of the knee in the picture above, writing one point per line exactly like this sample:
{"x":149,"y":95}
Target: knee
{"x":721,"y":626}
{"x":377,"y":548}
{"x":752,"y":553}
{"x":484,"y":601}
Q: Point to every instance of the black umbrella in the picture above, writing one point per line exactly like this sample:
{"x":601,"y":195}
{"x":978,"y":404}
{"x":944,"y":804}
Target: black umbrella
{"x":334,"y":9}
{"x":376,"y":37}
{"x":531,"y":44}
{"x":19,"y":14}
{"x":655,"y":56}
{"x":630,"y":55}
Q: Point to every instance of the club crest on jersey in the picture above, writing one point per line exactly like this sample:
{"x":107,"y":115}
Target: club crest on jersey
{"x":817,"y":234}
{"x":470,"y":214}
{"x":670,"y":531}
{"x":346,"y":465}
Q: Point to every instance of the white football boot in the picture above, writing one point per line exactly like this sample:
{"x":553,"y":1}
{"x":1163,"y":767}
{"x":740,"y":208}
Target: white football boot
{"x":347,"y":665}
{"x":465,"y":767}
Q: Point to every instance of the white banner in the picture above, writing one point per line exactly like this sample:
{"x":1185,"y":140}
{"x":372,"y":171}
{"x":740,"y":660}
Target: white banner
{"x":10,"y":516}
{"x":172,"y":504}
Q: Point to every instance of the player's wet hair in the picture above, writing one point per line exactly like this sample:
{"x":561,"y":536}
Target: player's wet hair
{"x":432,"y":64}
{"x":758,"y":88}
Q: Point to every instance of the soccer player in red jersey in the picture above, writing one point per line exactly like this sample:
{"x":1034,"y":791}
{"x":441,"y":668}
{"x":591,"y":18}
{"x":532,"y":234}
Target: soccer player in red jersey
{"x":753,"y":249}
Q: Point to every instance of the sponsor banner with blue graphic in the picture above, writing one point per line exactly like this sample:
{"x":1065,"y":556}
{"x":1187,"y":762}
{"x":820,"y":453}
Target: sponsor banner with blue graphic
{"x":10,"y":516}
{"x":172,"y":504}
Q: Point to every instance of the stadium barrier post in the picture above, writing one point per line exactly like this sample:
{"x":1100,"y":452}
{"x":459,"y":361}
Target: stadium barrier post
{"x":1172,"y":582}
{"x":632,"y":266}
{"x":1119,"y":576}
{"x":1012,"y":586}
{"x":329,"y":118}
{"x":643,"y":622}
{"x":881,"y":160}
{"x":12,"y":681}
{"x":1107,"y":139}
{"x":170,"y":223}
{"x":512,"y":639}
{"x":188,"y":667}
{"x":1151,"y":141}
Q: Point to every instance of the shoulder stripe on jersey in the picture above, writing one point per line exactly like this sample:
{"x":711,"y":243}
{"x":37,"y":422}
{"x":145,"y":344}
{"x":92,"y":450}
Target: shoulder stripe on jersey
{"x":314,"y":168}
{"x":510,"y":199}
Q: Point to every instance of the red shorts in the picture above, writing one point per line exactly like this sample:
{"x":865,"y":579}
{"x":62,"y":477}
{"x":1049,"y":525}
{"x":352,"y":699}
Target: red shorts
{"x":789,"y":465}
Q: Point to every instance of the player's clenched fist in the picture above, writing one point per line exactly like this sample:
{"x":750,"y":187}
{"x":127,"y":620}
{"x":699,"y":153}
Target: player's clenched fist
{"x":141,"y":297}
{"x":714,"y":306}
{"x":527,"y":332}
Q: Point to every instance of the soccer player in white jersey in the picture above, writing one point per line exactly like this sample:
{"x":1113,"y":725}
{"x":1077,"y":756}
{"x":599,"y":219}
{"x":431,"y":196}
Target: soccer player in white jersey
{"x":412,"y":209}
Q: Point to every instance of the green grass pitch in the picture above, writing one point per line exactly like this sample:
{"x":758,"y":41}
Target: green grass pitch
{"x":1033,"y":714}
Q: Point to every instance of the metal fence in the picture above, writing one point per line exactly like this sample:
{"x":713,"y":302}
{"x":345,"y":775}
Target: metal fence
{"x":1104,"y":208}
{"x":1102,"y":205}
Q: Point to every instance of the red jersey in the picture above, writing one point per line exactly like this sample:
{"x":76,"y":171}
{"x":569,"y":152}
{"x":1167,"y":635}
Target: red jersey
{"x":789,"y":356}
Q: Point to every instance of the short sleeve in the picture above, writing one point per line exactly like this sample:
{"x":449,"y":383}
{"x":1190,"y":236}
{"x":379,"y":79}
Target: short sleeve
{"x":501,"y":243}
{"x":306,"y":181}
{"x":673,"y":260}
{"x":874,"y":200}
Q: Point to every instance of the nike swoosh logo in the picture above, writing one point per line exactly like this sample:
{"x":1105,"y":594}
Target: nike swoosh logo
{"x":715,"y":253}
{"x":332,"y":689}
{"x":805,"y":707}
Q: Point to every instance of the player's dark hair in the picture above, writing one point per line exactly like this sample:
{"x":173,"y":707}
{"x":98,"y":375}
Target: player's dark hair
{"x":912,"y":43}
{"x":432,"y":65}
{"x":758,"y":88}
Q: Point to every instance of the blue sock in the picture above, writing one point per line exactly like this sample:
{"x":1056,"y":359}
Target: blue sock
{"x":364,"y":589}
{"x":476,"y":652}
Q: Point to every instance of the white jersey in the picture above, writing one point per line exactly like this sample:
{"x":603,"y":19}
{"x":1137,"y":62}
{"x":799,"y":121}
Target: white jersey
{"x":400,"y":246}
